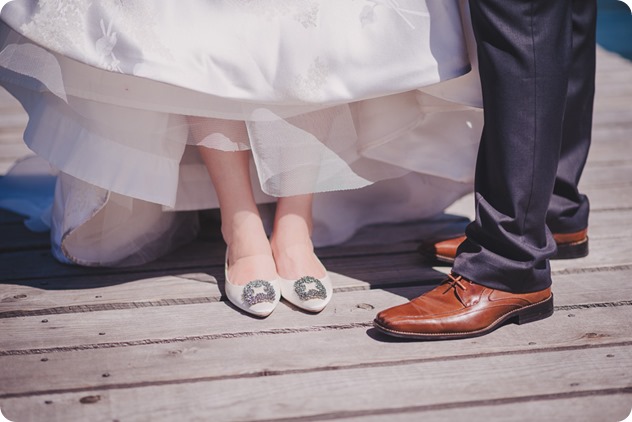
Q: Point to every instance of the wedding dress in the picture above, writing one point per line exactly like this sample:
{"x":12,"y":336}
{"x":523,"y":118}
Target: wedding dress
{"x":372,"y":104}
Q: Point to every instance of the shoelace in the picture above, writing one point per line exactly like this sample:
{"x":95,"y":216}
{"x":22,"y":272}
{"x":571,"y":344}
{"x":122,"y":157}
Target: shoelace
{"x":453,"y":282}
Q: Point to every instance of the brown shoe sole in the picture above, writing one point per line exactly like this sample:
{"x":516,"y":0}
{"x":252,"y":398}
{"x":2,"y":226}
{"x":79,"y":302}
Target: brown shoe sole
{"x":524,"y":315}
{"x":572,"y":250}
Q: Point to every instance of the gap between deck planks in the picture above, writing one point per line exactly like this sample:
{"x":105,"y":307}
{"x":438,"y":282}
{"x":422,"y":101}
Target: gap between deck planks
{"x":590,"y":330}
{"x":89,"y":289}
{"x":204,"y":360}
{"x":448,"y":383}
{"x":607,"y":227}
{"x":39,"y":334}
{"x":581,"y":355}
{"x":73,"y":297}
{"x":551,"y":408}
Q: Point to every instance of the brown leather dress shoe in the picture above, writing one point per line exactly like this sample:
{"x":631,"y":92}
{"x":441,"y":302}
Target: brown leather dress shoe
{"x":569,"y":246}
{"x":459,"y":308}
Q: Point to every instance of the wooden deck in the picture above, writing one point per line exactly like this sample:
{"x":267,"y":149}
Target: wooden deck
{"x":159,"y":342}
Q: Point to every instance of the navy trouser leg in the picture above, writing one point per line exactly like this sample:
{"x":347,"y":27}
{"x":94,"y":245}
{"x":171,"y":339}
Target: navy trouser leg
{"x":568,"y":210}
{"x":524,"y":50}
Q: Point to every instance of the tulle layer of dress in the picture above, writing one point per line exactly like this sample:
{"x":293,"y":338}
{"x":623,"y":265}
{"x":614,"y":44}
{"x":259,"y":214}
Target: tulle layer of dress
{"x":372,"y":104}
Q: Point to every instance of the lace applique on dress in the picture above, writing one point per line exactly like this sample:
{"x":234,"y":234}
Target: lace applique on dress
{"x":58,"y":24}
{"x":82,"y":201}
{"x":98,"y":33}
{"x":309,"y":16}
{"x":104,"y":47}
{"x":122,"y":18}
{"x":367,"y":16}
{"x":304,"y":12}
{"x":308,"y":87}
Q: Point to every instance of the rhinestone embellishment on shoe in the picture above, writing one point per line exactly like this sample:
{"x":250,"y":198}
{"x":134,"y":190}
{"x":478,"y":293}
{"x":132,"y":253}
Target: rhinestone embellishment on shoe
{"x":310,"y":288}
{"x":252,"y":297}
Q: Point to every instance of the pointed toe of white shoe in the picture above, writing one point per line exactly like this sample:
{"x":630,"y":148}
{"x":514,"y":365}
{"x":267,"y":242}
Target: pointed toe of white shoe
{"x":308,"y":293}
{"x":257,"y":297}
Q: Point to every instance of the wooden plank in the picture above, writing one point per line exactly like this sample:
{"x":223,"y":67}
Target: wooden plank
{"x":128,"y":288}
{"x":312,"y":350}
{"x":345,"y":392}
{"x":210,"y":320}
{"x":614,"y":197}
{"x":608,"y":61}
{"x":7,"y":164}
{"x":168,"y":322}
{"x":16,"y":237}
{"x":603,"y":223}
{"x":389,"y":236}
{"x":614,"y":103}
{"x":197,"y":256}
{"x":117,"y":291}
{"x":8,"y":217}
{"x":16,"y":119}
{"x":607,"y":88}
{"x":577,"y":283}
{"x":614,"y":150}
{"x":612,"y":117}
{"x":17,"y":300}
{"x":403,"y":266}
{"x":610,"y":75}
{"x":610,"y":224}
{"x":595,"y":178}
{"x":17,"y":265}
{"x":372,"y":263}
{"x":603,"y":253}
{"x":49,"y":272}
{"x":609,"y":407}
{"x":81,"y":295}
{"x":11,"y":137}
{"x":604,"y":176}
{"x":14,"y":150}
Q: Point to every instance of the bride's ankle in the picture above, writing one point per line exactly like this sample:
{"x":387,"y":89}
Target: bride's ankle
{"x":292,"y":247}
{"x":286,"y":240}
{"x":249,"y":253}
{"x":296,"y":259}
{"x":246,"y":236}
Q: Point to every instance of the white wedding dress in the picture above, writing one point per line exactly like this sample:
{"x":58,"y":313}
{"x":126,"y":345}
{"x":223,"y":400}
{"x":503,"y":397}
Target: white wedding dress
{"x":373,"y":104}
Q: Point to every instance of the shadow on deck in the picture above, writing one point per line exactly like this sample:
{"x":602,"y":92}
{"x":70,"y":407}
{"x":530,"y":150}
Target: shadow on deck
{"x":158,"y":342}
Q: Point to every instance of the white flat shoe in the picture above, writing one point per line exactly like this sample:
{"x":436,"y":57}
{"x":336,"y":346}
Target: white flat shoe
{"x":308,"y":293}
{"x":257,"y":297}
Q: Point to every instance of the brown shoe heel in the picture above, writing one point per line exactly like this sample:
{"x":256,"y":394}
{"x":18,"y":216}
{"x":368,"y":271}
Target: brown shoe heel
{"x":429,"y":253}
{"x":535,"y":312}
{"x":572,"y":250}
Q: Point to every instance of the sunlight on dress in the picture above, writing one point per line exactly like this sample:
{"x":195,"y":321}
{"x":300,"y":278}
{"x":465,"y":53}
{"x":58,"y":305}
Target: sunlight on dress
{"x":374,"y":105}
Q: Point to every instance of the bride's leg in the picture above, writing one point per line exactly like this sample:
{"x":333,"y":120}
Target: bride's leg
{"x":291,"y":239}
{"x":304,"y":281}
{"x":249,"y":253}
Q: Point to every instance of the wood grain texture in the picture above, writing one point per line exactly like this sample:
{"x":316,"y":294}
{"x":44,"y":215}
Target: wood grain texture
{"x":312,"y":351}
{"x":83,"y":294}
{"x":158,"y":342}
{"x":155,"y":324}
{"x":345,"y":391}
{"x":581,"y":408}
